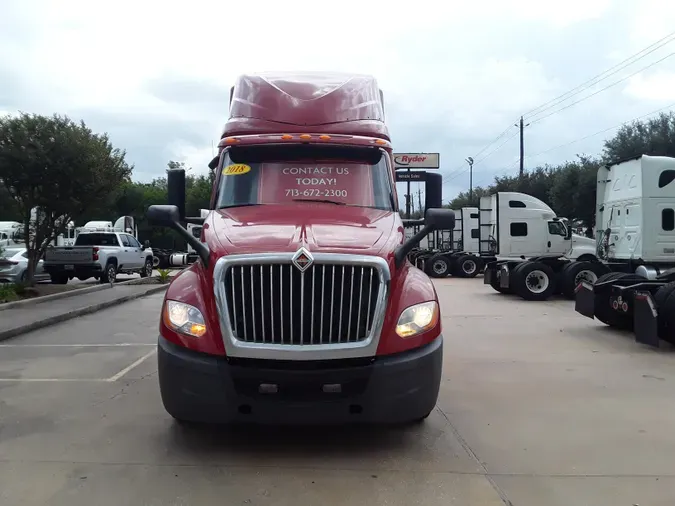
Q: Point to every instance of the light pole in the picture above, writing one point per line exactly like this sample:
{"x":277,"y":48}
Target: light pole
{"x":470,"y":162}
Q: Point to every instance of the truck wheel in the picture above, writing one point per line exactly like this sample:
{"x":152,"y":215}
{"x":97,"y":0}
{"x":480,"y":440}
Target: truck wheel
{"x":59,"y":279}
{"x":534,"y":281}
{"x":109,"y":273}
{"x":155,"y":262}
{"x":665,"y":304}
{"x":576,"y":272}
{"x":603,"y":309}
{"x":439,"y":266}
{"x":467,"y":267}
{"x":147,"y":268}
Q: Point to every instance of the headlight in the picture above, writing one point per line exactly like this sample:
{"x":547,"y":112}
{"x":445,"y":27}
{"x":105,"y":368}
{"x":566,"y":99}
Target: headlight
{"x":184,"y":318}
{"x":417,"y":319}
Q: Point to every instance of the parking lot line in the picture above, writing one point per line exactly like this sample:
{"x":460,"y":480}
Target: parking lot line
{"x":54,"y":380}
{"x":132,"y":366}
{"x":89,"y":345}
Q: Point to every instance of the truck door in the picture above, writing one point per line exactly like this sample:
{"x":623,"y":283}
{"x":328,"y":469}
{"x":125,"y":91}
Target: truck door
{"x":138,"y":250}
{"x":557,"y":242}
{"x":129,"y":254}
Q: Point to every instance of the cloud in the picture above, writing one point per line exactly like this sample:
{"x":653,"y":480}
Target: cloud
{"x":156,"y":75}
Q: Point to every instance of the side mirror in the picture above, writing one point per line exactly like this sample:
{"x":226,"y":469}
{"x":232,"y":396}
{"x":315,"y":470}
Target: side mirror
{"x":146,"y":244}
{"x":163,"y":216}
{"x":439,"y":219}
{"x":169,"y":216}
{"x":568,"y":233}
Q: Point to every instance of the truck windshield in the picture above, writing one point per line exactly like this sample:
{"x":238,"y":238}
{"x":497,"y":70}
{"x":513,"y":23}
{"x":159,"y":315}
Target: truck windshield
{"x":289,"y":174}
{"x":96,"y":239}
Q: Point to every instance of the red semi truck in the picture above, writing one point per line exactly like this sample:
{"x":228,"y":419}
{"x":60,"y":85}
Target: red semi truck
{"x":302,"y":307}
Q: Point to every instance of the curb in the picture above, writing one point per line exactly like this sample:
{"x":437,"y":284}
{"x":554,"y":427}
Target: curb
{"x":8,"y":334}
{"x":72,"y":293}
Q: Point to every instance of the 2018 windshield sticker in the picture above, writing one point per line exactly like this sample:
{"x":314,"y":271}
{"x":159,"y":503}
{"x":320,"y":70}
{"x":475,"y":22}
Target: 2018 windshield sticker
{"x":236,"y":169}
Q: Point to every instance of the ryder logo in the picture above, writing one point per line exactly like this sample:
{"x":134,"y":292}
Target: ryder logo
{"x":416,"y":160}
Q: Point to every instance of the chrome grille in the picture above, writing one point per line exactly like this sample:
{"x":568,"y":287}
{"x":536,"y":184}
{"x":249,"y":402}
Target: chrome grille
{"x":278,"y":304}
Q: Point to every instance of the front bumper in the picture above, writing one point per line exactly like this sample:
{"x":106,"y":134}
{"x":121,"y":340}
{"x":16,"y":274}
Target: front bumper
{"x":388,"y":389}
{"x":75,"y":270}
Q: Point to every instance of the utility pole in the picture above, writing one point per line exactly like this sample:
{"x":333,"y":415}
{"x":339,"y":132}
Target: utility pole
{"x":470,"y":162}
{"x":408,"y":197}
{"x":522,"y":126}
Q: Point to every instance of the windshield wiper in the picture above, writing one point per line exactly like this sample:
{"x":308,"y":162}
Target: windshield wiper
{"x":326,"y":201}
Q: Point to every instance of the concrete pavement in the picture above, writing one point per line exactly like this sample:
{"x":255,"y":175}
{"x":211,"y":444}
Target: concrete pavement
{"x":19,"y":320}
{"x":539,"y":407}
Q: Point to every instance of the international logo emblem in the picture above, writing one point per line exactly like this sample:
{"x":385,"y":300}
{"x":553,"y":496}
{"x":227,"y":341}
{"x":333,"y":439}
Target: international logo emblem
{"x":302,"y":259}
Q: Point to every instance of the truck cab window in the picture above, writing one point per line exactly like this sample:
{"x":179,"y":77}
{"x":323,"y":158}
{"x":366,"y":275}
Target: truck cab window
{"x":518,"y":229}
{"x":668,"y":219}
{"x":556,"y":228}
{"x":666,"y":177}
{"x":96,"y":239}
{"x":475,"y":234}
{"x":516,"y":203}
{"x":125,"y":240}
{"x":288,"y":174}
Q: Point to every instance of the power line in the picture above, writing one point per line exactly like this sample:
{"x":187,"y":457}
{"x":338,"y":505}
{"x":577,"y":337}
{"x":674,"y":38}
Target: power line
{"x":602,"y":131}
{"x":514,"y":163}
{"x":449,"y":178}
{"x":602,"y":89}
{"x":607,"y":73}
{"x":606,"y":87}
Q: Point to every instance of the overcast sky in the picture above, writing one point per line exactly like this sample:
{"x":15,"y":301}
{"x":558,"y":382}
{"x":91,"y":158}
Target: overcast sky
{"x":455,"y":74}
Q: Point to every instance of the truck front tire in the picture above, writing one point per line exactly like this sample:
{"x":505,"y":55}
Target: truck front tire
{"x":146,"y":272}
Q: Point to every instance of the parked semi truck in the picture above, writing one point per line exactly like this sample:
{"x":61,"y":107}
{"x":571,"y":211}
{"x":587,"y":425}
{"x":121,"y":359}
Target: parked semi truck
{"x":463,"y":260}
{"x":302,"y":307}
{"x":635,"y":221}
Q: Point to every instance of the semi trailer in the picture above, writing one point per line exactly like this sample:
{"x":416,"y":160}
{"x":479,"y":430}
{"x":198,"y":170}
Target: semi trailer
{"x":635,"y":221}
{"x":302,"y":306}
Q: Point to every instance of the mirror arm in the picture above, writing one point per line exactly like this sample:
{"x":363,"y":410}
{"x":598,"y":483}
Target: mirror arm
{"x":402,"y":251}
{"x":201,"y":249}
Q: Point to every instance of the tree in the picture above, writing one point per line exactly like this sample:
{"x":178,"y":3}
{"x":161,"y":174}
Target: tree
{"x":55,"y":171}
{"x":655,"y":136}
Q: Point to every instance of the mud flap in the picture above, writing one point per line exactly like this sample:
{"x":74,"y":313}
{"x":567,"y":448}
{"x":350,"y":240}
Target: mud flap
{"x":487,"y":275}
{"x":584,"y":300}
{"x":645,"y":318}
{"x":504,"y":276}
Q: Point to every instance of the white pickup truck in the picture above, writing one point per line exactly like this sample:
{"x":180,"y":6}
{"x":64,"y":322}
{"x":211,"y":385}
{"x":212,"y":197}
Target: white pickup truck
{"x":101,"y":255}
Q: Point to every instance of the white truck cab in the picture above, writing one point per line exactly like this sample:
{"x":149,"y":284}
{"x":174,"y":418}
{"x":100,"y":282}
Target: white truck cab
{"x":516,"y":225}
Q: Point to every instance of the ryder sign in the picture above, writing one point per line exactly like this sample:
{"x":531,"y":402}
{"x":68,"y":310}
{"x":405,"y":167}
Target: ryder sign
{"x":416,"y":161}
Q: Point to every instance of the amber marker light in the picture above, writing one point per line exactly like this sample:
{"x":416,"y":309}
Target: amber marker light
{"x":286,"y":137}
{"x":231,"y":140}
{"x":305,"y":137}
{"x":324,"y":137}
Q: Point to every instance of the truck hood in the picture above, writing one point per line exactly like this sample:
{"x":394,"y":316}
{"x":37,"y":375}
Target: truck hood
{"x":319,"y":227}
{"x":580,"y":240}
